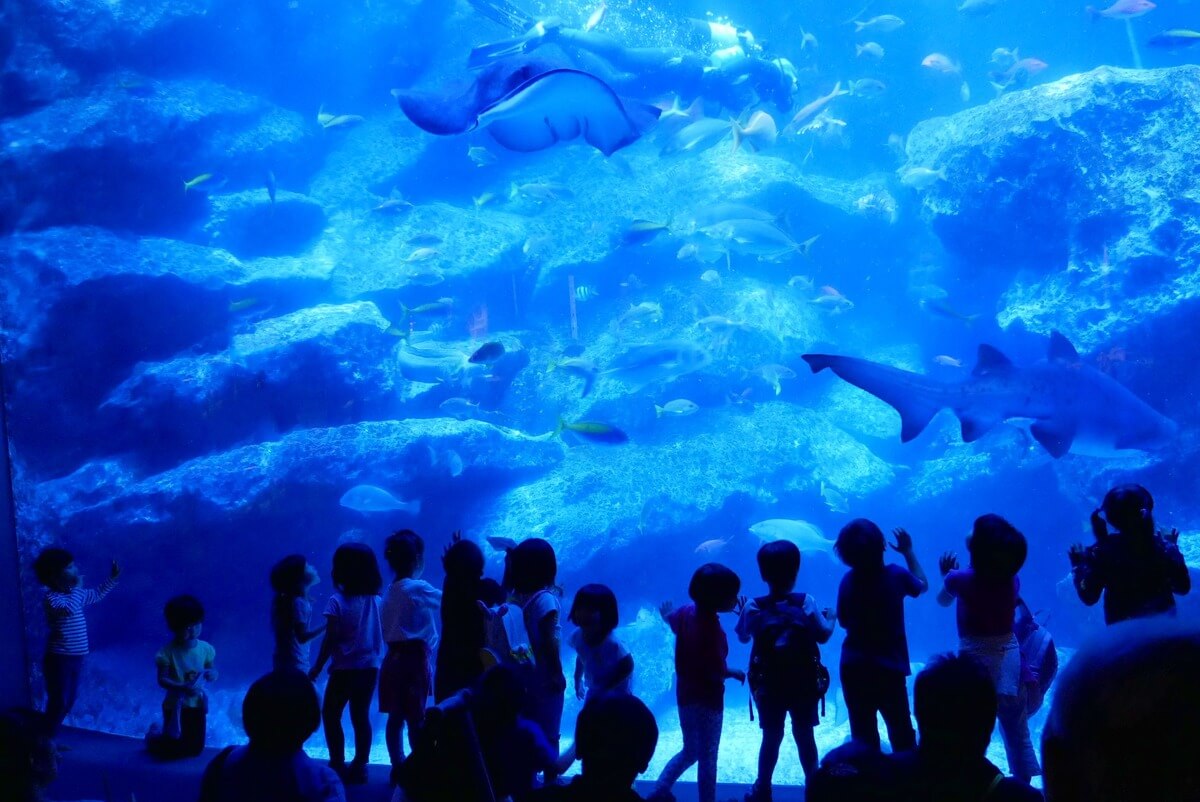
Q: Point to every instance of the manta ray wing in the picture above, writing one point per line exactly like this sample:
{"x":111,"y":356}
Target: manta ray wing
{"x":561,"y":105}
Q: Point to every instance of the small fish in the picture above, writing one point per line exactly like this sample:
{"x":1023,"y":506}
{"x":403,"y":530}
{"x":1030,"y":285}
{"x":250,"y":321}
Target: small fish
{"x":719,"y":323}
{"x":342,"y":121}
{"x":815,"y":107}
{"x":578,"y":366}
{"x":482,"y":157}
{"x":645,"y":311}
{"x":487,"y":353}
{"x":270,"y":184}
{"x":243,"y":305}
{"x":441,"y":306}
{"x":423,"y":254}
{"x":1175,"y":39}
{"x":1004,"y":58}
{"x":711,"y":277}
{"x":459,"y":408}
{"x":939,"y":307}
{"x":868,"y":87}
{"x":393,"y":206}
{"x":775,"y":374}
{"x":371,"y":499}
{"x":834,"y":500}
{"x":884,"y":23}
{"x":679,"y":408}
{"x":584,"y":293}
{"x":871,"y":50}
{"x":947,"y":361}
{"x":425,"y":239}
{"x":501,"y":543}
{"x":1016,"y":75}
{"x":759,"y":133}
{"x":941,"y":63}
{"x":1122,"y":9}
{"x":640,"y":232}
{"x":808,"y":537}
{"x":832,"y":300}
{"x":921,"y":178}
{"x":206,"y":180}
{"x":594,"y":431}
{"x":596,"y":17}
{"x":713,"y":546}
{"x":542,"y":192}
{"x":977,"y":8}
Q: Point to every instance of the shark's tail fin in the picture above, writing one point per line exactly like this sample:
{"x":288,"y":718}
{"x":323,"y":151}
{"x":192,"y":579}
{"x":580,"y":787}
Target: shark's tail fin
{"x":899,"y":388}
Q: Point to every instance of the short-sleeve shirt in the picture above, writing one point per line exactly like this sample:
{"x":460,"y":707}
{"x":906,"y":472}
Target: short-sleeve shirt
{"x":701,"y":650}
{"x":355,"y":629}
{"x":287,"y":615}
{"x":870,"y":606}
{"x":185,"y":663}
{"x":535,"y":610}
{"x":986,"y":607}
{"x":410,"y":612}
{"x":600,"y":661}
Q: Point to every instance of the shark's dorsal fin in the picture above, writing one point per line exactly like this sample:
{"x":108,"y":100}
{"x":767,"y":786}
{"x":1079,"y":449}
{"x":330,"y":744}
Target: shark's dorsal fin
{"x":1062,"y":350}
{"x":991,"y":361}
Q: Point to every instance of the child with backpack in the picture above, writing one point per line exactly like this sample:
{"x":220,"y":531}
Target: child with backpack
{"x":408,"y":617}
{"x":786,"y":675}
{"x":701,"y":650}
{"x":870,"y":606}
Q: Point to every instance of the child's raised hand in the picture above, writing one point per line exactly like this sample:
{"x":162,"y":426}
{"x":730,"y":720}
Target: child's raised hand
{"x":665,"y":609}
{"x":948,"y":563}
{"x":903,"y":544}
{"x":740,"y":606}
{"x":115,"y":571}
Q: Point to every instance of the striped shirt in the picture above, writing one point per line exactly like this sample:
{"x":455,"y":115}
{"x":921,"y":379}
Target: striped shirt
{"x":64,"y":611}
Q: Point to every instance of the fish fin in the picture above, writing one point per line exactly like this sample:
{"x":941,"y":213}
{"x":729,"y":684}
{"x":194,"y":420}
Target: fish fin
{"x":991,"y":361}
{"x":1056,"y":439}
{"x":1062,"y":350}
{"x":975,"y":426}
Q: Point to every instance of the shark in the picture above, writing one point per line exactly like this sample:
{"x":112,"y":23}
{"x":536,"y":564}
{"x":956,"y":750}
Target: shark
{"x":1071,"y":406}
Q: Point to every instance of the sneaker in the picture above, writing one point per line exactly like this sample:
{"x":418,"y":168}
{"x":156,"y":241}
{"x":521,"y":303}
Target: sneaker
{"x":759,"y":794}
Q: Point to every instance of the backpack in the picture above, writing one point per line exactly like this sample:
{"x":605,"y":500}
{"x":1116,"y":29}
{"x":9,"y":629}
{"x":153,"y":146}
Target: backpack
{"x":785,"y":658}
{"x":506,"y":640}
{"x":1038,"y":656}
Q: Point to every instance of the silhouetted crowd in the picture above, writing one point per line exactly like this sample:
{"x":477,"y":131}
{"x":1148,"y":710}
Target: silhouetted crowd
{"x":1124,"y":722}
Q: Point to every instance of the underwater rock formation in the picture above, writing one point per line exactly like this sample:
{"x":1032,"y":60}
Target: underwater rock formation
{"x":118,"y":156}
{"x":1082,"y":188}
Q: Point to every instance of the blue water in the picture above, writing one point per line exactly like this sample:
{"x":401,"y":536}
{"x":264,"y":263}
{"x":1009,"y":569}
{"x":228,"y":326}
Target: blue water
{"x":196,"y":379}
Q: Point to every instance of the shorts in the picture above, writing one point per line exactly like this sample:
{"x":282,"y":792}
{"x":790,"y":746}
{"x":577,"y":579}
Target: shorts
{"x":405,"y":679}
{"x":773,"y":710}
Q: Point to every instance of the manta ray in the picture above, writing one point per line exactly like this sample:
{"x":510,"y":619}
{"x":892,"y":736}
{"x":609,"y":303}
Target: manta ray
{"x":1073,"y":407}
{"x":529,"y":104}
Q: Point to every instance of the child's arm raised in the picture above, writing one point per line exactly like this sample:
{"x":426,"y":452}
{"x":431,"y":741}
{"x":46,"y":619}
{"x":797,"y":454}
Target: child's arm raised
{"x":904,"y":546}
